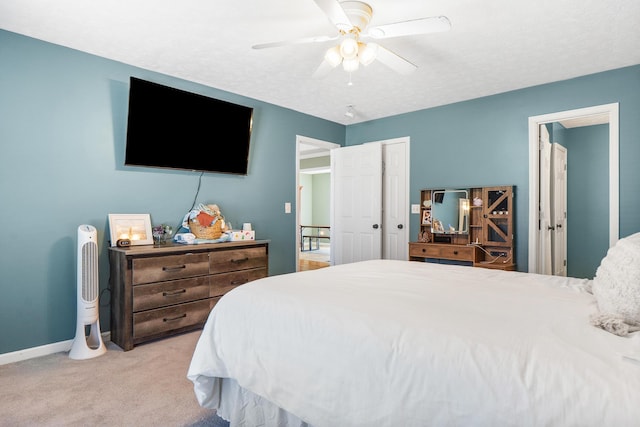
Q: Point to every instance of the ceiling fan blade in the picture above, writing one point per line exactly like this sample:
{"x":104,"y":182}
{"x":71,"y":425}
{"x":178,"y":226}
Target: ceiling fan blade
{"x":395,"y":61}
{"x":433,"y":24}
{"x":335,"y":13}
{"x":322,"y":71}
{"x":318,"y":39}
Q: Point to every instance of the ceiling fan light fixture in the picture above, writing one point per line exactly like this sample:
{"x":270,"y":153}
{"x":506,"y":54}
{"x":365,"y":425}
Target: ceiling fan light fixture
{"x":367,"y":53}
{"x":349,"y":48}
{"x":352,"y":18}
{"x":350,"y":65}
{"x":333,"y":56}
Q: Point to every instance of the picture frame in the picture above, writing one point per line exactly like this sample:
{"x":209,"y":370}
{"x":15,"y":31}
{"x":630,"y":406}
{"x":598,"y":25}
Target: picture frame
{"x":426,"y":217}
{"x":135,"y":227}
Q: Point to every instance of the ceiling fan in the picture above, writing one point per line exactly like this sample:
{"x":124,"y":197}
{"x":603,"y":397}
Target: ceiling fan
{"x":352,"y":18}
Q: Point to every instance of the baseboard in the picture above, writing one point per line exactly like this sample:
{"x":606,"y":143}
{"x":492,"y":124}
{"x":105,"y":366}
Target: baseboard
{"x":43,"y":350}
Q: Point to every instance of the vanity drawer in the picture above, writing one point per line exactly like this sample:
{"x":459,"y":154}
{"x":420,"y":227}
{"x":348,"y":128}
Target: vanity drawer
{"x":170,"y":267}
{"x":158,"y":321}
{"x":155,"y":295}
{"x":451,"y":252}
{"x":237,"y":259}
{"x":223,"y":283}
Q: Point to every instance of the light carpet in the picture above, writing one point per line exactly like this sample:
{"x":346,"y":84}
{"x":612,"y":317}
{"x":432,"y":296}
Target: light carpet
{"x":146,"y":386}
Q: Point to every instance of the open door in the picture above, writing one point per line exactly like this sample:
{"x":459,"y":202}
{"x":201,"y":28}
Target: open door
{"x":559,"y":209}
{"x":545,"y":259}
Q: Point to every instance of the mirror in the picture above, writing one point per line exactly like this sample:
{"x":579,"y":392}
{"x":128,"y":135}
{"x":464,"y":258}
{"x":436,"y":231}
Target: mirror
{"x":450,"y":211}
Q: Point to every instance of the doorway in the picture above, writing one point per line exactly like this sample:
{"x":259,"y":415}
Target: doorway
{"x":575,"y":118}
{"x":312,"y":171}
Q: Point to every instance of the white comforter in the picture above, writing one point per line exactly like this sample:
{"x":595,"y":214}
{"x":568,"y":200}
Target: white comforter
{"x":399,"y":343}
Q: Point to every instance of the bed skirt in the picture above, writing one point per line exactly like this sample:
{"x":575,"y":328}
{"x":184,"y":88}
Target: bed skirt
{"x":237,"y":406}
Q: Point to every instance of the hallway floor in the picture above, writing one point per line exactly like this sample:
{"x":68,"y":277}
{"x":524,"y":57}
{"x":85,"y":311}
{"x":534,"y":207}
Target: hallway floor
{"x":312,"y":260}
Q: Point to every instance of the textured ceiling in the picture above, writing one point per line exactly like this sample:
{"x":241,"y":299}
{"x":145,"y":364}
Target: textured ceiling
{"x":493,"y":46}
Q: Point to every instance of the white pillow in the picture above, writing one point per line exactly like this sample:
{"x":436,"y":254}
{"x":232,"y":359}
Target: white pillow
{"x":616,"y":285}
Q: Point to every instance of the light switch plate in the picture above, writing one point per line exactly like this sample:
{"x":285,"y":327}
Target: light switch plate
{"x":415,"y":209}
{"x":287,"y":207}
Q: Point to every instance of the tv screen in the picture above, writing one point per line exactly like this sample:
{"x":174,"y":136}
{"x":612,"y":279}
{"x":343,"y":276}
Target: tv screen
{"x":172,"y":128}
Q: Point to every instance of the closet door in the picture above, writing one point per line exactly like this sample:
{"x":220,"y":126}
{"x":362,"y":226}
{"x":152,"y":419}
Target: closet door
{"x":356,"y":211}
{"x":395,"y":213}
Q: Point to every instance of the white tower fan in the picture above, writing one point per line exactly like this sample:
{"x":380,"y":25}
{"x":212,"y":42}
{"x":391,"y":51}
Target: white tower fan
{"x":86,"y":347}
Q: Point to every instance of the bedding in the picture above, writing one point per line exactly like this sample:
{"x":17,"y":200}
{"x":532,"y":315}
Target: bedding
{"x":402,"y":343}
{"x":617,"y":284}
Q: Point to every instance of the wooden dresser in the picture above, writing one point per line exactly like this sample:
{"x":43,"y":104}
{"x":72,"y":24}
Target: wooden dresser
{"x":158,"y":291}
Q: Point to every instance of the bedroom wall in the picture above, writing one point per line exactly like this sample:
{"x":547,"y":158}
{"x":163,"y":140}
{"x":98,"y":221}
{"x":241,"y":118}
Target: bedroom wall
{"x":484,"y":142}
{"x":62,"y":133}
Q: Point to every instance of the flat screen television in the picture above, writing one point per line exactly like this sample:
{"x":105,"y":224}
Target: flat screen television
{"x":173,"y":128}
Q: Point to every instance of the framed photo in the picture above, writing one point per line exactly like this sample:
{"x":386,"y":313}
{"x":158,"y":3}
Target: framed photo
{"x":135,"y":227}
{"x":426,"y":217}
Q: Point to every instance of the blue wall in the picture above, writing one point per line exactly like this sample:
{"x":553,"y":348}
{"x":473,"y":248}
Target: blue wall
{"x":62,"y":133}
{"x":485,"y":142}
{"x":587,"y":198}
{"x":63,"y":118}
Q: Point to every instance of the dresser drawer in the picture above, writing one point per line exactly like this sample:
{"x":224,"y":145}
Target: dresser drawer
{"x":224,"y":282}
{"x":162,"y":294}
{"x":158,"y":321}
{"x":237,"y":259}
{"x":156,"y":269}
{"x":452,"y":252}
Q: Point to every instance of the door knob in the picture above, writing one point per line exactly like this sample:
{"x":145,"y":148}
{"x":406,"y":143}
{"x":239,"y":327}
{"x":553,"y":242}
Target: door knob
{"x":558,"y":225}
{"x":550,"y":227}
{"x":400,"y":226}
{"x":375,"y":226}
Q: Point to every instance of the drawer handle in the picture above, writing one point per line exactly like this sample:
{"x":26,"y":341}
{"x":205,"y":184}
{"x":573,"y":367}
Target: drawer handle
{"x":424,"y":250}
{"x":174,"y":293}
{"x":175,"y":268}
{"x":239,"y":282}
{"x":173,"y":319}
{"x":455,"y":252}
{"x":240,"y":260}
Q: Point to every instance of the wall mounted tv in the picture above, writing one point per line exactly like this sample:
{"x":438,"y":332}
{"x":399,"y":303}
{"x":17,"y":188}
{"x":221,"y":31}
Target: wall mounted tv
{"x":172,"y":128}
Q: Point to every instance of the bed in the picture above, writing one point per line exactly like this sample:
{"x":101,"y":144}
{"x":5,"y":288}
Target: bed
{"x":402,"y":343}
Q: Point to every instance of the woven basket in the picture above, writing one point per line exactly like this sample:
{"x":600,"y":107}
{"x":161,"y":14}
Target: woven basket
{"x":212,"y":232}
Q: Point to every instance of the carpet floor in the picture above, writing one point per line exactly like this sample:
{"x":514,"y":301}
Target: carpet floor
{"x":146,"y":386}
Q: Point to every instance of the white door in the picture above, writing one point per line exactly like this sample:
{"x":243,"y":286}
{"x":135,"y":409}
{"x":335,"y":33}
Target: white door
{"x":559,"y":209}
{"x":356,"y":198}
{"x":545,"y":224}
{"x":395,"y":212}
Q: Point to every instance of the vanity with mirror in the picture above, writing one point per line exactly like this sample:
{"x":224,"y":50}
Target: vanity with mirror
{"x":471,"y":226}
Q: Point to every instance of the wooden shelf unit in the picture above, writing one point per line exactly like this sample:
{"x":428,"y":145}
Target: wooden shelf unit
{"x":490,"y":233}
